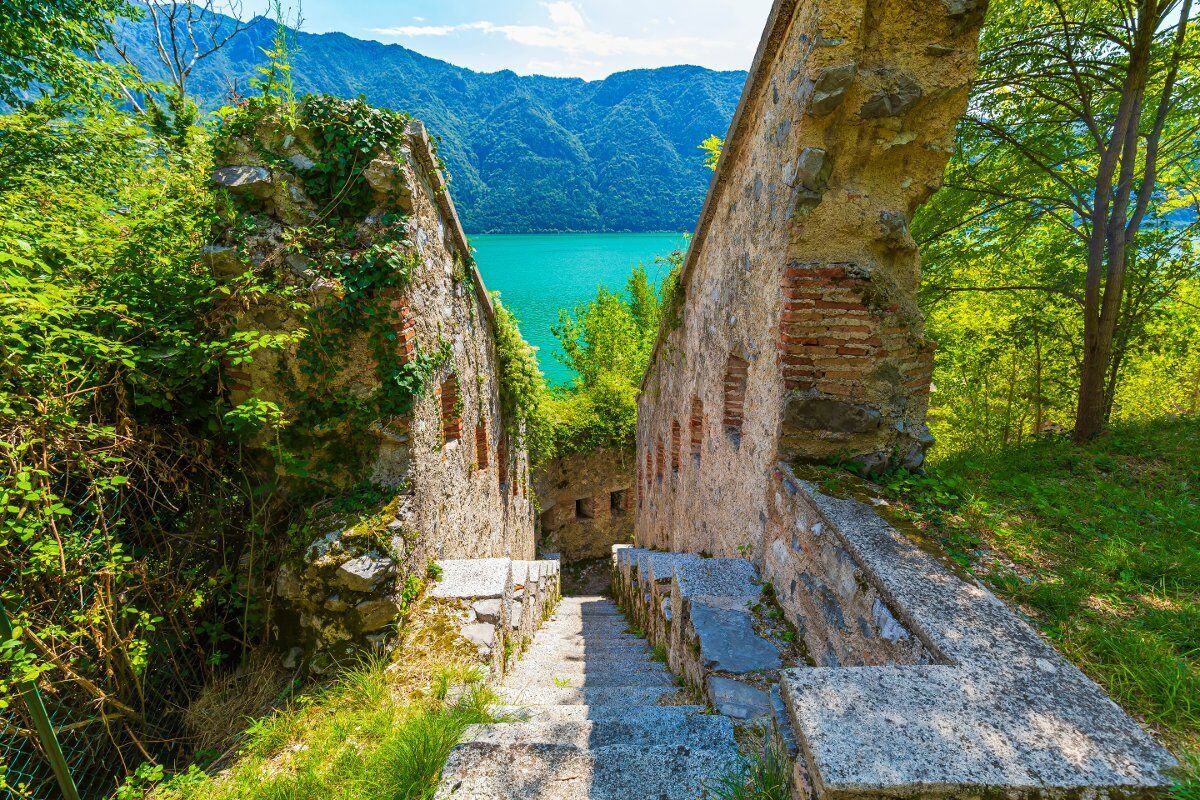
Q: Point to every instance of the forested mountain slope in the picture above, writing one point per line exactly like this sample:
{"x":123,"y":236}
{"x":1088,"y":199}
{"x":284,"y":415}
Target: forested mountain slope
{"x":526,"y":153}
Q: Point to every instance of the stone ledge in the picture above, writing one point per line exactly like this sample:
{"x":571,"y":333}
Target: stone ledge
{"x":1005,"y":712}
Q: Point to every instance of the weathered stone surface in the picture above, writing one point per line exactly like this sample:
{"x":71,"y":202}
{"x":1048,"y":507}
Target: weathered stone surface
{"x":902,"y":93}
{"x":480,"y":634}
{"x":244,"y":180}
{"x":830,"y":88}
{"x":365,"y":573}
{"x":834,"y":416}
{"x":224,"y":262}
{"x":800,"y":283}
{"x":728,"y":642}
{"x":454,"y":487}
{"x":964,"y":723}
{"x":474,"y":578}
{"x":373,"y":615}
{"x":587,"y":502}
{"x":487,"y":611}
{"x":738,"y":700}
{"x":588,"y":723}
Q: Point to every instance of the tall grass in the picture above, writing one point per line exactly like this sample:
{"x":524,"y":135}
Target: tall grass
{"x":380,"y":731}
{"x":765,"y":775}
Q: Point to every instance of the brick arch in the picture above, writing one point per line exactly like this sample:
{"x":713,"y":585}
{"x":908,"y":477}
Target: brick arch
{"x":451,"y":420}
{"x":481,"y":444}
{"x":734,"y":388}
{"x":696,"y":429}
{"x":676,"y":446}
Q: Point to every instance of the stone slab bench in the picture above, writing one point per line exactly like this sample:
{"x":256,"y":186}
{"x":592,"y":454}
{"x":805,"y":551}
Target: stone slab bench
{"x":699,"y":610}
{"x":996,"y":711}
{"x":503,"y":603}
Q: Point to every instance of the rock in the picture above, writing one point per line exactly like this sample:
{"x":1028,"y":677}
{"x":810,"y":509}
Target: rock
{"x":372,"y":615}
{"x":738,"y":700}
{"x":223,"y":262}
{"x":292,"y":659}
{"x":335,"y":604}
{"x":813,"y":168}
{"x":385,"y":176}
{"x":300,"y":266}
{"x":480,"y":634}
{"x":301,"y":161}
{"x":487,"y":611}
{"x":515,"y":619}
{"x":255,"y":181}
{"x":893,"y":228}
{"x":286,"y":582}
{"x":836,"y":416}
{"x":728,"y":642}
{"x":364,"y":574}
{"x":830,"y":88}
{"x":892,"y":102}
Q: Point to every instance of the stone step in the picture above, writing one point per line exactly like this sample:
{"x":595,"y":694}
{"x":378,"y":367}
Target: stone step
{"x":588,"y":695}
{"x":704,"y":731}
{"x":569,"y":657}
{"x":591,"y":642}
{"x":676,"y":771}
{"x":600,"y":626}
{"x":537,"y":675}
{"x":594,"y":667}
{"x":582,"y":713}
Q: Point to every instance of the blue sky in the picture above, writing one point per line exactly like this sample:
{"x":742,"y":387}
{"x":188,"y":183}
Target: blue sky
{"x":583,"y":38}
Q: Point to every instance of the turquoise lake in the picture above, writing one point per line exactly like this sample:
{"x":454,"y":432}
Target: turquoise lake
{"x":537,"y":274}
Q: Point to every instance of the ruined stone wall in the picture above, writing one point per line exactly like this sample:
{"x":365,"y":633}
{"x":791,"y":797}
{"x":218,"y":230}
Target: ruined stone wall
{"x":410,"y":385}
{"x":587,"y":502}
{"x":799,"y":336}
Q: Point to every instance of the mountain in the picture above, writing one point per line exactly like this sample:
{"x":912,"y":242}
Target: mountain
{"x":525,"y":153}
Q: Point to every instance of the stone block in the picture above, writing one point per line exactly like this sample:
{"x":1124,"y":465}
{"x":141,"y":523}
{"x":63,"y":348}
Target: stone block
{"x":728,"y":642}
{"x":473,"y":578}
{"x":737,"y":700}
{"x":373,"y":615}
{"x":365,"y":573}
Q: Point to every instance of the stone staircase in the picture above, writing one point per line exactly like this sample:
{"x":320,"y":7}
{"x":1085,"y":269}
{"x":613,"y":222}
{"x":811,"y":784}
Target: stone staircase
{"x":591,"y":715}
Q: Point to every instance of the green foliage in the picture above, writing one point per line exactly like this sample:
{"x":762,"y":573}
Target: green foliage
{"x":1005,"y":242}
{"x":1100,"y":544}
{"x":607,"y":342}
{"x":766,"y":775}
{"x":712,"y":147}
{"x":559,"y":155}
{"x":360,"y":739}
{"x":41,"y":44}
{"x":522,"y":385}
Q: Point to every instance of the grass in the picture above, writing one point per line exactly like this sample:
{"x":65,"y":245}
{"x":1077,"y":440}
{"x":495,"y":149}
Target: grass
{"x":380,"y":731}
{"x":1099,"y":545}
{"x":660,"y":653}
{"x":766,"y":775}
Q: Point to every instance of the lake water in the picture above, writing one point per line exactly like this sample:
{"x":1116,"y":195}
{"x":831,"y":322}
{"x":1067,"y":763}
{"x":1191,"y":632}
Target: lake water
{"x":537,"y":274}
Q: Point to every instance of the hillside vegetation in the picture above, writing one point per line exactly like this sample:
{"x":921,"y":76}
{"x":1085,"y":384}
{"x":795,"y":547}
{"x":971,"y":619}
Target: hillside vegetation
{"x":526,"y":153}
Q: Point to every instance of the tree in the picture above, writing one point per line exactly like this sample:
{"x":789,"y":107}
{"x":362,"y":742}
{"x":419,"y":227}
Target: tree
{"x":1079,"y":147}
{"x":40,"y":42}
{"x":185,"y":33}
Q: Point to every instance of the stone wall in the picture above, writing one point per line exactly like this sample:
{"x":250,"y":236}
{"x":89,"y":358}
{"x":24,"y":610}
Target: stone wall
{"x":410,"y":387}
{"x":799,"y":336}
{"x":587,"y":502}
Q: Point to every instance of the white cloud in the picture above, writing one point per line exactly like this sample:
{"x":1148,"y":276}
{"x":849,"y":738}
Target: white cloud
{"x":569,"y":33}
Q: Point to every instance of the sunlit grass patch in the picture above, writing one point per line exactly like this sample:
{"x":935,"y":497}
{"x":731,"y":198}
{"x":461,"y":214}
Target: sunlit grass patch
{"x":379,"y":730}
